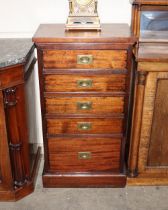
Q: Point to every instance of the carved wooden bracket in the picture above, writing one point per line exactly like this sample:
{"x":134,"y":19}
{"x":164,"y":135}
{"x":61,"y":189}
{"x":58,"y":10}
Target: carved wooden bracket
{"x":142,"y":77}
{"x":15,"y":147}
{"x":10,"y":97}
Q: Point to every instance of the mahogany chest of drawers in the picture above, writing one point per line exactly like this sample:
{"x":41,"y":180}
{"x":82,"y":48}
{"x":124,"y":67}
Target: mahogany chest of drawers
{"x":85,"y":88}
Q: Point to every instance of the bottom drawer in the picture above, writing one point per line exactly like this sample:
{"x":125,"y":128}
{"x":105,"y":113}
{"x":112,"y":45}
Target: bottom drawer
{"x":84,"y":154}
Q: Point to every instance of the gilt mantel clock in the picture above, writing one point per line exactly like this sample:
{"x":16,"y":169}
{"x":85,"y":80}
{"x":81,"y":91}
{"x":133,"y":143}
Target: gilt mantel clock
{"x":83,"y":15}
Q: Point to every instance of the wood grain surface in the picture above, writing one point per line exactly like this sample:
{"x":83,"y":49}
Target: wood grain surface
{"x":102,"y":59}
{"x":98,"y":126}
{"x":111,"y":33}
{"x":91,"y":179}
{"x":11,"y":77}
{"x":158,"y":150}
{"x":100,"y":83}
{"x":68,"y":105}
{"x":147,"y":121}
{"x":63,"y":154}
{"x":156,"y":52}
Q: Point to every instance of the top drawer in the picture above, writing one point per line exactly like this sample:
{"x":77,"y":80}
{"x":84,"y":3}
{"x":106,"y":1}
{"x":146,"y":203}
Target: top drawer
{"x":85,"y":59}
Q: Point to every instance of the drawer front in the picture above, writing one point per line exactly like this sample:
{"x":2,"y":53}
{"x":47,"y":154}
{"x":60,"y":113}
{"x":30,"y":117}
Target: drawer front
{"x":84,"y":126}
{"x":79,"y":83}
{"x":84,"y":105}
{"x":84,"y":154}
{"x":11,"y":77}
{"x":85,"y":59}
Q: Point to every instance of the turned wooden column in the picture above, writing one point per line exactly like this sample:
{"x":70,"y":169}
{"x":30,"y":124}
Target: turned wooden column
{"x":5,"y":167}
{"x":16,"y":131}
{"x":136,"y":128}
{"x":135,"y":22}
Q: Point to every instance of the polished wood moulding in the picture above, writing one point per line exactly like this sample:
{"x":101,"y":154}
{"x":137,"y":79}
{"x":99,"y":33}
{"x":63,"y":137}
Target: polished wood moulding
{"x":96,"y":180}
{"x":52,"y":34}
{"x":148,"y":181}
{"x":150,"y":2}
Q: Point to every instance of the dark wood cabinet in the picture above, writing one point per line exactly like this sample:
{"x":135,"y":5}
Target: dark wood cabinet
{"x":85,"y":88}
{"x":5,"y":169}
{"x":17,"y":168}
{"x":148,"y":162}
{"x":150,"y":20}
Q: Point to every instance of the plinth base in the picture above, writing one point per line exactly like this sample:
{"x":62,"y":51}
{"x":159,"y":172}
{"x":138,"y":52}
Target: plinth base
{"x":83,"y":180}
{"x":28,"y":188}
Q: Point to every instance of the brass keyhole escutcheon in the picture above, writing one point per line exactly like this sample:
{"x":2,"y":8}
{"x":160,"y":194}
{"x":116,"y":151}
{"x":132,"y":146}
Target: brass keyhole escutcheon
{"x":84,"y":59}
{"x":84,"y":126}
{"x":85,"y":83}
{"x":84,"y":106}
{"x":84,"y":155}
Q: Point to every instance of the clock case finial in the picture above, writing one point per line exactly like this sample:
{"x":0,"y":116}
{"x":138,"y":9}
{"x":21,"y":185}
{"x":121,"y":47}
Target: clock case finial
{"x":83,"y":17}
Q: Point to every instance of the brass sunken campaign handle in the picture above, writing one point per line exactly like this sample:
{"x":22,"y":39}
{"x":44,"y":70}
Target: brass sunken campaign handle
{"x":86,"y":83}
{"x":84,"y":126}
{"x":84,"y":59}
{"x":84,"y":105}
{"x":84,"y":155}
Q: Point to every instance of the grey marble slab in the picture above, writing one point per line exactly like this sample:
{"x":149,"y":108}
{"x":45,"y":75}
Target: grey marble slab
{"x":14,"y":51}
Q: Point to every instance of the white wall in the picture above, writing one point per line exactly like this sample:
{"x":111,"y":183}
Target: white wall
{"x":20,"y":18}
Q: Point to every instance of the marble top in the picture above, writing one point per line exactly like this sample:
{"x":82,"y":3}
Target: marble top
{"x":14,"y":51}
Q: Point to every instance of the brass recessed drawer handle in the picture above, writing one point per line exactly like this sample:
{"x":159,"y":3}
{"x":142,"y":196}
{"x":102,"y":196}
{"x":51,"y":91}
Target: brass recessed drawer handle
{"x":84,"y":105}
{"x":86,"y":83}
{"x":84,"y":59}
{"x":84,"y":155}
{"x":84,"y":126}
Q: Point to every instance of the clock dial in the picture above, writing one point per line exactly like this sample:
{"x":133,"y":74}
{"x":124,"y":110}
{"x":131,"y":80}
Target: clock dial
{"x":83,"y":15}
{"x":84,"y":2}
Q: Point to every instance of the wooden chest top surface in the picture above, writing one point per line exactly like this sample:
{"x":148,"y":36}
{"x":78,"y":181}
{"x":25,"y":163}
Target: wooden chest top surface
{"x":55,"y":33}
